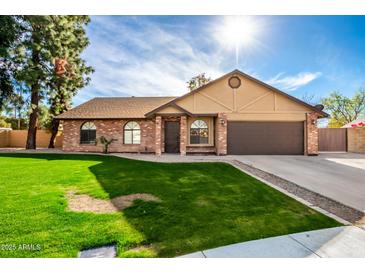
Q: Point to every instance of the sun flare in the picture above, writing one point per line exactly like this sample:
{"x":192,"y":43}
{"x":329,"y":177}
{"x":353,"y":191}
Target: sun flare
{"x":238,"y":31}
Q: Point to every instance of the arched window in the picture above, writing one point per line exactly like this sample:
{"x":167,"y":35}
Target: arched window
{"x":88,"y":133}
{"x":199,"y":132}
{"x":132,"y":133}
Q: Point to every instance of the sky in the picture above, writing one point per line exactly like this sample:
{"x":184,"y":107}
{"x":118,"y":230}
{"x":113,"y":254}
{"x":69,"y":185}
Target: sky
{"x":156,"y":55}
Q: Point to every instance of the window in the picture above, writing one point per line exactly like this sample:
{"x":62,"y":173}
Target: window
{"x":199,"y":132}
{"x":132,"y":133}
{"x":88,"y":133}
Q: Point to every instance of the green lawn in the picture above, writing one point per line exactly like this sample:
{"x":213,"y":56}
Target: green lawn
{"x":204,"y":205}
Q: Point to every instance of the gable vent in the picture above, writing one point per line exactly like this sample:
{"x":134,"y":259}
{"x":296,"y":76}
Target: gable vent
{"x":234,"y":82}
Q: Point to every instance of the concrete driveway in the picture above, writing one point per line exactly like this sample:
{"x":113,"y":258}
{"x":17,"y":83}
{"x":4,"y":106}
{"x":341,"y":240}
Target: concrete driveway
{"x":340,"y":176}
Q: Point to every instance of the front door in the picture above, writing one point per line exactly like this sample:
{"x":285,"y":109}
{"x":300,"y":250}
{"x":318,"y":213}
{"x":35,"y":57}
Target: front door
{"x":172,"y":137}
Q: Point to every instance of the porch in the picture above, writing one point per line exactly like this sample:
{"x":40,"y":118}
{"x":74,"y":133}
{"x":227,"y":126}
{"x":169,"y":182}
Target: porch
{"x":191,"y":134}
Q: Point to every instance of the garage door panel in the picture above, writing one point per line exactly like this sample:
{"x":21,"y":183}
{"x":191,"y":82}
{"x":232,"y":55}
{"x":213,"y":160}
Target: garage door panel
{"x":265,"y":138}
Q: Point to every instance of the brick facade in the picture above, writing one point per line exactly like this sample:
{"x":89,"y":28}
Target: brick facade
{"x":158,"y":130}
{"x":356,"y":140}
{"x":221,"y":134}
{"x":311,"y":134}
{"x":183,"y":135}
{"x":201,"y":150}
{"x":109,"y":129}
{"x":152,"y":135}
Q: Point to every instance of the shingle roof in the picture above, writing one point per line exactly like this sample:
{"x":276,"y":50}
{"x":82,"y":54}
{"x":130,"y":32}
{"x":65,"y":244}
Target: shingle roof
{"x":115,"y":108}
{"x":138,"y":107}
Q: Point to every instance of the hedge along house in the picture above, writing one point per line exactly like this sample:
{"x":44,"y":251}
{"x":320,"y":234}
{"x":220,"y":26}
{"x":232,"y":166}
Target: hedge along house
{"x":234,"y":114}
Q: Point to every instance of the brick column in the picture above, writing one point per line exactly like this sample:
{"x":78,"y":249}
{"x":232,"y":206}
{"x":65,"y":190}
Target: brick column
{"x":221,"y":136}
{"x":158,"y":123}
{"x":183,"y":135}
{"x":312,"y":134}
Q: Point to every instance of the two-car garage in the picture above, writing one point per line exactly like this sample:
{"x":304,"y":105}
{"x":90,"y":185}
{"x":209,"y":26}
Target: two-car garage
{"x":265,"y":138}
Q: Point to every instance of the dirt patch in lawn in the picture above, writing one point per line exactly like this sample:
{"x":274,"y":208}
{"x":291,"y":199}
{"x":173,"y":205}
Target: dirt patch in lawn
{"x":86,"y":203}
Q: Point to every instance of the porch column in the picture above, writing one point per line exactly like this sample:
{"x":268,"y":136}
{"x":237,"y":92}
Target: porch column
{"x":183,"y":135}
{"x":221,"y":134}
{"x":312,"y":134}
{"x":158,"y":123}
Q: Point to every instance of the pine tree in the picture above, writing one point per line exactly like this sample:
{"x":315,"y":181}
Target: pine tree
{"x":9,"y":33}
{"x":45,"y":43}
{"x":71,"y":71}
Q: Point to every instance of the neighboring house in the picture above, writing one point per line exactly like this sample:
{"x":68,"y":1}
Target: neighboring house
{"x":355,"y":122}
{"x":234,"y":114}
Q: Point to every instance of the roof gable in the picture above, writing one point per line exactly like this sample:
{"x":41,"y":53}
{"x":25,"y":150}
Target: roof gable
{"x":251,"y":97}
{"x":214,"y":100}
{"x":169,"y":108}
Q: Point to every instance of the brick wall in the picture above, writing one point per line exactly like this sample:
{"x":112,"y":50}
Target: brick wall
{"x":356,"y":140}
{"x":158,"y":130}
{"x":183,"y":135}
{"x":109,"y":129}
{"x":200,"y":150}
{"x":311,"y":134}
{"x":221,"y":134}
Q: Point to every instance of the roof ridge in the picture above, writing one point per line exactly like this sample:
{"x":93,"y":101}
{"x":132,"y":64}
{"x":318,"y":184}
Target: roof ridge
{"x":115,"y":107}
{"x":108,"y":97}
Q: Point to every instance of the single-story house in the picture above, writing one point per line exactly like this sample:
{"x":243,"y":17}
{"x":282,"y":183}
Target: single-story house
{"x":234,"y":114}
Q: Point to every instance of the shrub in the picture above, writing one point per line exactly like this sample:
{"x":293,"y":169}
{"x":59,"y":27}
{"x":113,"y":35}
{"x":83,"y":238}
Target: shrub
{"x":3,"y":123}
{"x":106,"y":143}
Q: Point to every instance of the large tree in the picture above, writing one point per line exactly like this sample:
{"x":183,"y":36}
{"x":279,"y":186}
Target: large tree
{"x":9,"y":34}
{"x":344,"y":109}
{"x":45,"y":43}
{"x":33,"y":56}
{"x":71,"y":72}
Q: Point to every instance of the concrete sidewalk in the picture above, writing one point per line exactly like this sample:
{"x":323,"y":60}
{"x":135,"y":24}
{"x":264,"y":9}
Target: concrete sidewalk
{"x":338,"y":242}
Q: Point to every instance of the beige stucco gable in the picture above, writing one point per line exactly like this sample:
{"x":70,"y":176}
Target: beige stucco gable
{"x":251,"y":101}
{"x":170,"y":110}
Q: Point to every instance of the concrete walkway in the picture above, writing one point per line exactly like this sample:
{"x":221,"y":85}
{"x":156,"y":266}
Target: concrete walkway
{"x":338,"y":242}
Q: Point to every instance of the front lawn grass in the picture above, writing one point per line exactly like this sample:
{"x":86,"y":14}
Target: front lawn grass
{"x":204,"y":205}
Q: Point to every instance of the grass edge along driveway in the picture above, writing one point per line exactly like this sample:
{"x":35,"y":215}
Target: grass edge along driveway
{"x":203,"y":205}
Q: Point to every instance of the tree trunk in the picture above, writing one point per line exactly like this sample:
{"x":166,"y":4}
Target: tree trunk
{"x":54,"y":131}
{"x":34,"y":101}
{"x":53,"y":111}
{"x":33,"y":118}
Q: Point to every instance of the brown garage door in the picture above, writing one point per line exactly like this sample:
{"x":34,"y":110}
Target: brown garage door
{"x":265,"y":138}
